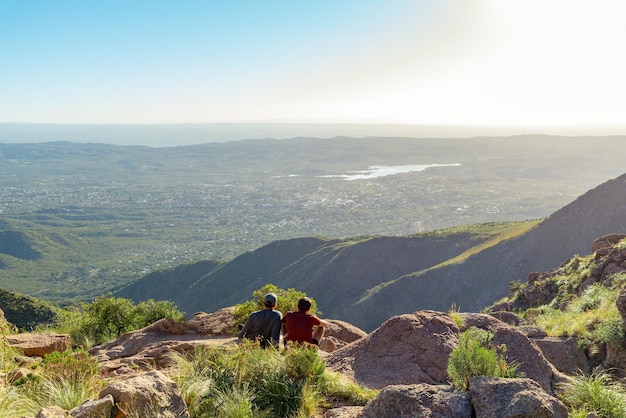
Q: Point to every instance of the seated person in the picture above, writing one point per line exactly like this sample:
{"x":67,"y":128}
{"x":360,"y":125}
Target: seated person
{"x":263,"y":325}
{"x":298,"y":326}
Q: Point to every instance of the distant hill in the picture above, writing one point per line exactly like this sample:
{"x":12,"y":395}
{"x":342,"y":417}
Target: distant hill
{"x":365,"y":281}
{"x":24,"y":311}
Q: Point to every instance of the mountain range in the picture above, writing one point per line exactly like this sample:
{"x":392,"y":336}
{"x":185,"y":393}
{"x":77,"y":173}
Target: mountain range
{"x":366,"y":280}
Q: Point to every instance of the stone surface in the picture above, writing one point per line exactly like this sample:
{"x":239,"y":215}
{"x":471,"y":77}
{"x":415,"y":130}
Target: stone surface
{"x":101,"y":408}
{"x":38,"y":344}
{"x":422,"y":400}
{"x":146,"y":395}
{"x":564,"y":354}
{"x":221,"y":322}
{"x":339,"y":334}
{"x":344,"y":412}
{"x":513,"y":398}
{"x":151,"y":347}
{"x":406,"y":349}
{"x":52,"y":412}
{"x":520,"y":350}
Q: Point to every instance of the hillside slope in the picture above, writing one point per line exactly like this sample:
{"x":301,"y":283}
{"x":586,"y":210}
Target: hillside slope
{"x":485,"y":276}
{"x":365,"y":281}
{"x":335,"y":272}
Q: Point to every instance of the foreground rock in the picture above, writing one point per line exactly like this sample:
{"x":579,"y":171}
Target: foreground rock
{"x":406,"y":349}
{"x":415,"y":348}
{"x":339,"y":334}
{"x":38,"y":344}
{"x":149,"y":394}
{"x":428,"y":401}
{"x":513,"y":398}
{"x":151,"y":347}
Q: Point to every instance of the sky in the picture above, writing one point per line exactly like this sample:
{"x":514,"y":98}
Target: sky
{"x":422,"y":62}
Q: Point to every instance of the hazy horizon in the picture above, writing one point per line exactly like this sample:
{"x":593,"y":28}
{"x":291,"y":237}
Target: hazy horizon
{"x":168,"y":135}
{"x":501,"y":67}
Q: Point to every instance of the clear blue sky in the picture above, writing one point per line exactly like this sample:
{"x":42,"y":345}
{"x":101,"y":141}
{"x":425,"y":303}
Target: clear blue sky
{"x":450,"y":62}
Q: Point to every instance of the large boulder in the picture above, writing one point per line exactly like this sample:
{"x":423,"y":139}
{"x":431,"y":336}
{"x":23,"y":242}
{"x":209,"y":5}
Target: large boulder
{"x":220,"y":322}
{"x":564,"y":353}
{"x":151,"y":346}
{"x":513,"y":398}
{"x":422,"y":400}
{"x":519,"y":350}
{"x":38,"y":344}
{"x":415,"y":348}
{"x":146,"y":395}
{"x":339,"y":334}
{"x":100,"y":408}
{"x":406,"y":349}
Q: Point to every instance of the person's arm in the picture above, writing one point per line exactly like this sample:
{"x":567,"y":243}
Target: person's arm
{"x":276,"y":333}
{"x":246,"y":327}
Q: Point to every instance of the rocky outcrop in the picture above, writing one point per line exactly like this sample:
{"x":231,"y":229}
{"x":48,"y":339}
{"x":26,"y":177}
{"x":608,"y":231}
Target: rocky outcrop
{"x":429,"y":401}
{"x":151,"y":347}
{"x":564,"y":353}
{"x":101,"y":408}
{"x":38,"y":344}
{"x":339,"y":334}
{"x":406,"y":349}
{"x":221,"y":322}
{"x":148,"y":394}
{"x":513,"y":398}
{"x":415,"y":348}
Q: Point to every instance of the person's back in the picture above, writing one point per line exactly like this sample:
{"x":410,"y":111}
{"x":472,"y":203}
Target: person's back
{"x":264,"y":325}
{"x":298,"y":326}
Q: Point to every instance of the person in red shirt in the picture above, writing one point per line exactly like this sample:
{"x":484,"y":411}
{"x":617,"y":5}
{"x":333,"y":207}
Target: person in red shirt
{"x":298,"y":326}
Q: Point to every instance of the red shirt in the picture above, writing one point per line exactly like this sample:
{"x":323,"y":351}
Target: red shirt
{"x":299,"y":326}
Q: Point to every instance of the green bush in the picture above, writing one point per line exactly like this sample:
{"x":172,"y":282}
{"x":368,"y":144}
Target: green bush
{"x":247,"y":381}
{"x":108,"y":317}
{"x":598,"y":394}
{"x":474,"y":357}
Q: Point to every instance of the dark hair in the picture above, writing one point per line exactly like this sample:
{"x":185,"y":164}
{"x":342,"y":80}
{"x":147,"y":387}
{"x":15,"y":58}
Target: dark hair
{"x":268,"y":304}
{"x":304,"y":304}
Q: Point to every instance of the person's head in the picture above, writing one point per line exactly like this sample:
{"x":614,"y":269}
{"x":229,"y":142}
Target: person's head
{"x":304,"y":304}
{"x":269,"y":301}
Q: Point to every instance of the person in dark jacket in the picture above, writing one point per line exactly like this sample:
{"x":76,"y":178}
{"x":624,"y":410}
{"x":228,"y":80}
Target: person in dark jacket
{"x":264,"y":325}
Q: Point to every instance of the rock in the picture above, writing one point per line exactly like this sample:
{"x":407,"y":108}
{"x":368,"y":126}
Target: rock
{"x":339,"y":334}
{"x":406,"y":349}
{"x":422,"y":400}
{"x":221,"y":322}
{"x":520,"y":350}
{"x":38,"y":344}
{"x":606,"y":241}
{"x":101,"y":408}
{"x":26,"y":361}
{"x":17,"y":374}
{"x":513,"y":398}
{"x":532,"y":332}
{"x":344,"y":412}
{"x":563,"y":353}
{"x":147,"y":394}
{"x":151,"y":346}
{"x":52,"y":412}
{"x":507,"y":317}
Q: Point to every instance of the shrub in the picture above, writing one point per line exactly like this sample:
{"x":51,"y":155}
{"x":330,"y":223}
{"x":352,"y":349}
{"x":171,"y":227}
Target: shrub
{"x":474,"y":357}
{"x":245,"y":380}
{"x":303,"y":363}
{"x":108,"y":317}
{"x":598,"y":394}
